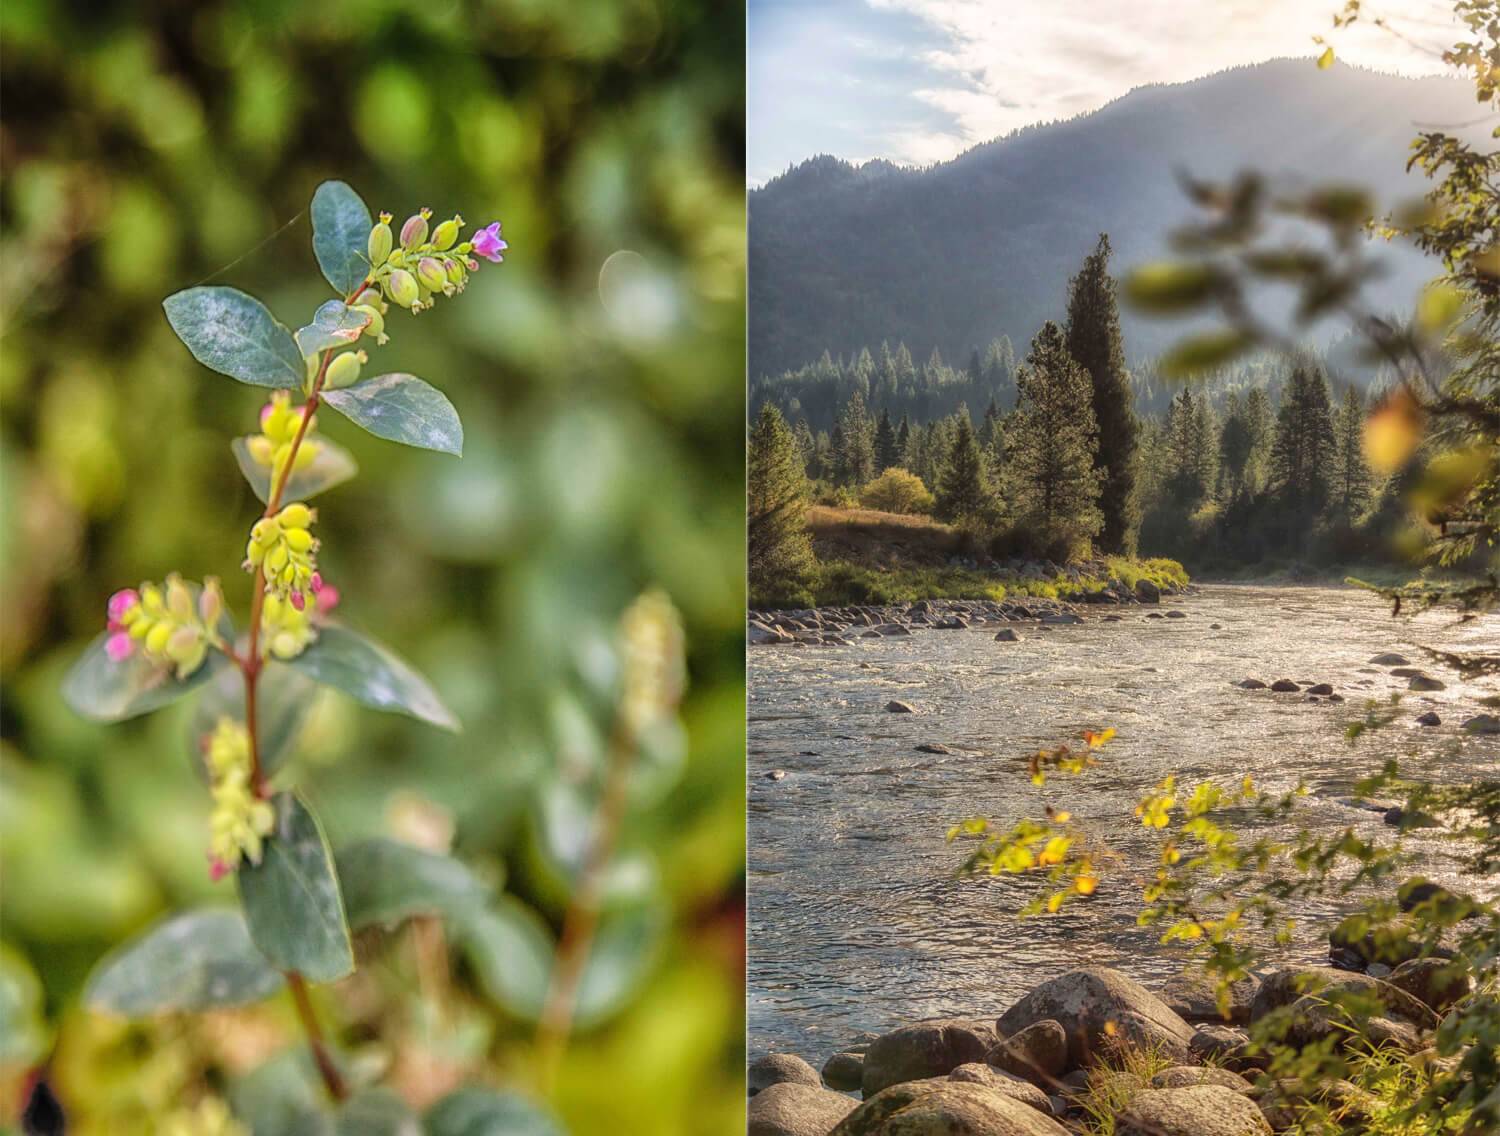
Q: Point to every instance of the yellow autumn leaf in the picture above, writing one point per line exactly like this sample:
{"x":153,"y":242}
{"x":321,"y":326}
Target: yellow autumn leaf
{"x":1056,"y":849}
{"x":1392,"y":432}
{"x":1085,"y":885}
{"x":1325,"y":61}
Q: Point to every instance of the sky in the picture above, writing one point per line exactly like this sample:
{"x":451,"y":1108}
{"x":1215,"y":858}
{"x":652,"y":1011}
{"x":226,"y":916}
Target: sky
{"x":920,"y":81}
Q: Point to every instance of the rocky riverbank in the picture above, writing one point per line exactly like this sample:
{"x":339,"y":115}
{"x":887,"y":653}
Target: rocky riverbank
{"x":840,"y":626}
{"x":1164,"y":1063}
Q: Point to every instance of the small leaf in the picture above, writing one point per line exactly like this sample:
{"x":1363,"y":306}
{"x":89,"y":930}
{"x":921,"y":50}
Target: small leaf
{"x":105,"y":690}
{"x":282,"y":1097}
{"x":334,"y":325}
{"x":386,"y":881}
{"x":1393,"y":431}
{"x":332,"y":466}
{"x":24,"y":1034}
{"x":292,"y":901}
{"x":283,"y":699}
{"x":191,"y":962}
{"x":511,"y":951}
{"x":623,"y":952}
{"x":485,"y":1112}
{"x":402,"y":408}
{"x":1171,"y":287}
{"x":234,"y":334}
{"x":373,"y":675}
{"x":1204,"y":352}
{"x":341,"y":234}
{"x":1325,"y":61}
{"x":377,"y":1112}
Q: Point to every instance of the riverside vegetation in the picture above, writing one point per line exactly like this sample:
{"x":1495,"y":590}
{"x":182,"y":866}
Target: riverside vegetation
{"x":302,"y":902}
{"x":1401,"y":1034}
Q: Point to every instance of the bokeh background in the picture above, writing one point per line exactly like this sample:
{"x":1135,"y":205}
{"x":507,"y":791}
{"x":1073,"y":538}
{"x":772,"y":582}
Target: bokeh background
{"x":599,"y":374}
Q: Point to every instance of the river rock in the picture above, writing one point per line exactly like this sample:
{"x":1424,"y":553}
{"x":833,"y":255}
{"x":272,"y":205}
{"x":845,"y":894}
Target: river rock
{"x":1435,"y":982}
{"x":758,"y":633}
{"x":1482,"y":724}
{"x":1251,"y":684}
{"x":1194,"y":999}
{"x":844,"y":1072}
{"x":1285,"y":987}
{"x":1390,"y":659}
{"x":1061,"y":617}
{"x":1222,"y":1044}
{"x":791,"y":1109}
{"x":1147,"y":592}
{"x":1281,"y":1102}
{"x":1424,"y":682}
{"x":1016,"y":1088}
{"x":780,"y":1068}
{"x":1039,"y":1053}
{"x":1084,"y":1001}
{"x":776,"y":775}
{"x":1318,"y":1015}
{"x":1197,"y":1110}
{"x":1183,"y":1076}
{"x":897,"y":707}
{"x":1322,"y":688}
{"x":932,"y":747}
{"x":1176,"y":614}
{"x":1284,"y":686}
{"x":1429,"y":719}
{"x":929,"y":1049}
{"x":1007,"y":635}
{"x":889,"y":629}
{"x":1398,"y":817}
{"x":946,"y":1108}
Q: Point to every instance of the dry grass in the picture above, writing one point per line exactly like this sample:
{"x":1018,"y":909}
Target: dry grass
{"x":880,"y":540}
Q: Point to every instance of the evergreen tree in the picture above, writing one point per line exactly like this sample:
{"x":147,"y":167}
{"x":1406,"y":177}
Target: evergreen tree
{"x":903,"y":441}
{"x":886,"y":454}
{"x":807,"y":446}
{"x":1051,"y":457}
{"x":887,"y":383}
{"x":963,"y":489}
{"x":1258,"y":423}
{"x":854,"y":460}
{"x":779,"y":553}
{"x":1351,"y":476}
{"x":976,"y":368}
{"x":1095,"y":342}
{"x":1235,"y":443}
{"x":1190,"y":446}
{"x":990,"y":424}
{"x":1302,"y":453}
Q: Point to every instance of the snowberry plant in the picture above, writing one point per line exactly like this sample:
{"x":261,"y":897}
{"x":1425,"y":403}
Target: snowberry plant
{"x":297,"y":901}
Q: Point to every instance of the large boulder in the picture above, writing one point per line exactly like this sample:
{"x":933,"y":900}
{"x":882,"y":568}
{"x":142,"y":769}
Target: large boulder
{"x":1195,"y":1110}
{"x":1482,"y":724}
{"x":1435,"y":982}
{"x":844,"y":1071}
{"x":1003,"y":1082}
{"x":1147,"y":592}
{"x":1285,"y":987}
{"x":1185,"y":1076}
{"x":1101,"y":1009}
{"x":946,"y":1108}
{"x":1282,"y":1102}
{"x":1326,"y":1002}
{"x":789,"y":1109}
{"x":1226,"y":1046}
{"x":780,"y":1068}
{"x":896,"y":706}
{"x":1195,"y":999}
{"x":929,"y":1049}
{"x":1038,"y":1053}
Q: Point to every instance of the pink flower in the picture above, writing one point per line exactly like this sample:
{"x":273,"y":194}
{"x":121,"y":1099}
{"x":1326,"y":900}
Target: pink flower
{"x":487,"y":243}
{"x":119,"y":646}
{"x":119,"y":603}
{"x":217,"y":870}
{"x":325,"y":596}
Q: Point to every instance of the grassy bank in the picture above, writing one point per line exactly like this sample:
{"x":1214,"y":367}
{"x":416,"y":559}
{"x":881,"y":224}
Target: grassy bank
{"x":869,"y":557}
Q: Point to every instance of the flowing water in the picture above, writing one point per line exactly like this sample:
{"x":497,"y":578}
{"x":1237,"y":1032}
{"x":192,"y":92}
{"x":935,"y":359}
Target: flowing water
{"x":856,"y":920}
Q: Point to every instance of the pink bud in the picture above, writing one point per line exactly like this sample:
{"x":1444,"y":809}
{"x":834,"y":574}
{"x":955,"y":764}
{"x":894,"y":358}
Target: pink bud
{"x":121,"y":602}
{"x":299,"y":601}
{"x":317,"y":581}
{"x":217,"y":870}
{"x":265,"y":412}
{"x":328,"y":599}
{"x":119,"y":646}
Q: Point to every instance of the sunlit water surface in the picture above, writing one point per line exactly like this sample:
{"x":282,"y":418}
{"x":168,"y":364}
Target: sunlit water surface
{"x":856,"y":920}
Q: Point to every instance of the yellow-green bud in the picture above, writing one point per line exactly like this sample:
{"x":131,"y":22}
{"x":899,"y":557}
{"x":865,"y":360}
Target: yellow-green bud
{"x":431,"y":275}
{"x":295,"y":516}
{"x":455,"y":271}
{"x":344,"y":370}
{"x":401,"y":287}
{"x":446,"y":233}
{"x":375,"y":328}
{"x":414,"y":232}
{"x":211,"y":602}
{"x":381,"y":241}
{"x":156,"y":638}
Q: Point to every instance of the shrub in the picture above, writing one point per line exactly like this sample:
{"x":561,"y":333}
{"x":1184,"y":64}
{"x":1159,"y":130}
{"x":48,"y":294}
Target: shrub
{"x":897,"y":491}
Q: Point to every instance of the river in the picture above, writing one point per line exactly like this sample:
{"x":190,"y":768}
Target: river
{"x":856,"y":920}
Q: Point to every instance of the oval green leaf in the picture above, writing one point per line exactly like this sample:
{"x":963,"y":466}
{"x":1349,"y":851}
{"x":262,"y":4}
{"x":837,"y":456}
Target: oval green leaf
{"x":334,"y":325}
{"x":386,"y":881}
{"x":24,"y":1034}
{"x":234,"y":334}
{"x":284,"y":697}
{"x":402,"y":408}
{"x":292,"y":901}
{"x":191,"y":962}
{"x":341,"y":235}
{"x":332,"y":466}
{"x":1200,"y":353}
{"x":377,"y":1112}
{"x":622,"y":955}
{"x":485,"y":1112}
{"x":372,"y":674}
{"x":282,"y":1097}
{"x":511,"y":951}
{"x":1171,"y":287}
{"x":104,"y":690}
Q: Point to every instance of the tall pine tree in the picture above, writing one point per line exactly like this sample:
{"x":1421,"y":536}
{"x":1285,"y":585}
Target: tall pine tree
{"x":1095,"y":342}
{"x":1302,"y":454}
{"x":963,"y":488}
{"x":886,"y":454}
{"x":779,"y":554}
{"x":1351,"y":476}
{"x":1050,"y":448}
{"x":854,"y":460}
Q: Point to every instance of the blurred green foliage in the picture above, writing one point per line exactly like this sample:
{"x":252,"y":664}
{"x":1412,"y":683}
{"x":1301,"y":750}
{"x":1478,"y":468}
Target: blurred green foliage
{"x":148,"y":148}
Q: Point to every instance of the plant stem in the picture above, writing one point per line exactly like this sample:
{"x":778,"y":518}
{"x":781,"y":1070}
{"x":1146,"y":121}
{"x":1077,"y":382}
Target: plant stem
{"x":333,"y":1080}
{"x":581,"y":920}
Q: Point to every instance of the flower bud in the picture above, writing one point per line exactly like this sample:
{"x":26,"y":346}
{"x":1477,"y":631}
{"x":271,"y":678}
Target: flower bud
{"x":431,"y":275}
{"x":211,"y":602}
{"x":401,"y":287}
{"x":119,"y":646}
{"x":375,"y":323}
{"x":446,"y":233}
{"x":380,"y":241}
{"x":156,"y":638}
{"x":344,"y":370}
{"x":455,"y":272}
{"x":179,"y":600}
{"x":414,"y":232}
{"x":261,"y":448}
{"x":295,"y":516}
